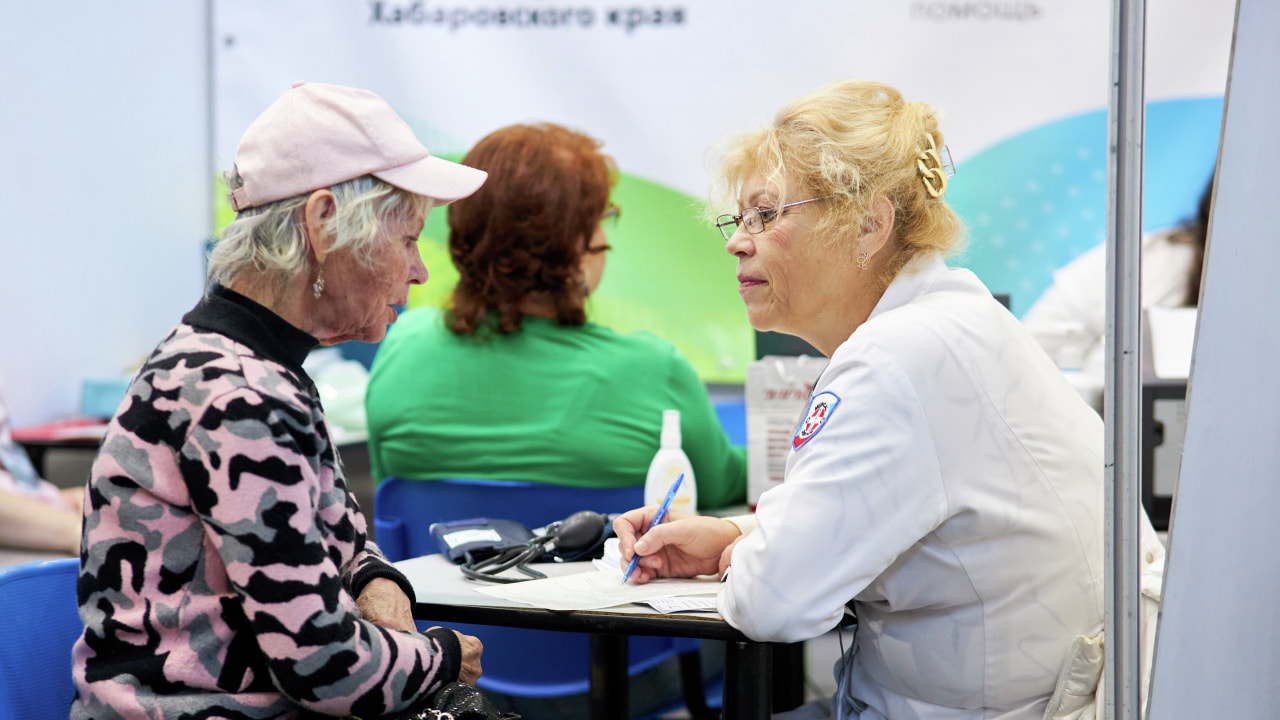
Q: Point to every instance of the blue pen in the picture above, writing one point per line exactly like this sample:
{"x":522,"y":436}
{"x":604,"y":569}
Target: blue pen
{"x":662,"y":512}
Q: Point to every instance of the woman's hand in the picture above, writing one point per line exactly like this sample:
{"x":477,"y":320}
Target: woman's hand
{"x":472,"y":649}
{"x":682,"y":546}
{"x":383,"y":603}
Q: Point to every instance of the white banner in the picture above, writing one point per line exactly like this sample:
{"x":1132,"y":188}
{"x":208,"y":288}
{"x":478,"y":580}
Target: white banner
{"x":1022,"y":84}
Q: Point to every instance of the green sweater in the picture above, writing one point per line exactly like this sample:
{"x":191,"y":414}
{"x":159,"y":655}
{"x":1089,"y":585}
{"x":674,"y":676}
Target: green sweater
{"x":579,"y":406}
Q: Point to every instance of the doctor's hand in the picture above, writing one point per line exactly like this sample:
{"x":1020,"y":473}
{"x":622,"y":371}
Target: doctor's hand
{"x":727,"y":555}
{"x":682,"y":546}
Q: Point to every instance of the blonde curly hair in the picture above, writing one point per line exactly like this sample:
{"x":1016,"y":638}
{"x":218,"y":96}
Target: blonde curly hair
{"x":852,"y":142}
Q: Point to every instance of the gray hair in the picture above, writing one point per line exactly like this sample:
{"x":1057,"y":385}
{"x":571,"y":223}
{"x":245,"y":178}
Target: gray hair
{"x":271,"y":239}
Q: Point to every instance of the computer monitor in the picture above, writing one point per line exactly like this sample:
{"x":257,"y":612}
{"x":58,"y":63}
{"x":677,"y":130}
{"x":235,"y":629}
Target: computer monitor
{"x":772,"y":343}
{"x":1163,"y":426}
{"x":1164,"y":423}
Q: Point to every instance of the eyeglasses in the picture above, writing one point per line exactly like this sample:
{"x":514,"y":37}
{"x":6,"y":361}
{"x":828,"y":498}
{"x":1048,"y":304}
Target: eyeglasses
{"x":610,"y":216}
{"x":754,"y":219}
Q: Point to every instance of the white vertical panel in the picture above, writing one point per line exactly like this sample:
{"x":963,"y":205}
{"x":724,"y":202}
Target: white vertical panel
{"x":1218,"y":651}
{"x":104,"y":189}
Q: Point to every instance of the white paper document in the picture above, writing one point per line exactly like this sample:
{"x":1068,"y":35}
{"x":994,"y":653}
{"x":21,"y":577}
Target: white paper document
{"x":687,"y":603}
{"x":595,"y":590}
{"x":1173,"y":339}
{"x":604,"y":588}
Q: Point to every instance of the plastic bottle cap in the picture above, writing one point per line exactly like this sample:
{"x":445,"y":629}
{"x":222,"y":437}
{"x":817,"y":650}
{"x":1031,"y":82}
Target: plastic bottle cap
{"x":670,"y":428}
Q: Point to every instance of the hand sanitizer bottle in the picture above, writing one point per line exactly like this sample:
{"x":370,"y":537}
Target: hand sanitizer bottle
{"x":667,"y":465}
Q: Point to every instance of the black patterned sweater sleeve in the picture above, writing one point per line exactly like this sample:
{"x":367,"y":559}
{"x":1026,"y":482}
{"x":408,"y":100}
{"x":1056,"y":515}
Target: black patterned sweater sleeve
{"x":221,"y":552}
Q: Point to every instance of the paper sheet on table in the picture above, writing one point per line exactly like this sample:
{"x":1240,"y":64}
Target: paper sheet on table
{"x":612,"y":557}
{"x":595,"y":590}
{"x":687,"y":603}
{"x":1173,"y":338}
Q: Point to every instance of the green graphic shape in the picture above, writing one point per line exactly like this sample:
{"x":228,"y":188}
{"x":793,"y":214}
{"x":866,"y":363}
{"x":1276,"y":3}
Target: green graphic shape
{"x":668,"y":273}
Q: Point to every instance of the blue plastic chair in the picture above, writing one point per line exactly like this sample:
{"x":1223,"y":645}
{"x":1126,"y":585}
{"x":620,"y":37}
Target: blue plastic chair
{"x":42,"y":623}
{"x":403,"y":510}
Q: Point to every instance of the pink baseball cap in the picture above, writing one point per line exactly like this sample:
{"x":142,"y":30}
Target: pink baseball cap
{"x":316,"y":136}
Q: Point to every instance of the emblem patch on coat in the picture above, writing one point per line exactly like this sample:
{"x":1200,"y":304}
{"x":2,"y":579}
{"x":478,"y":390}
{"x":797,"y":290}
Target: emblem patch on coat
{"x":820,"y":409}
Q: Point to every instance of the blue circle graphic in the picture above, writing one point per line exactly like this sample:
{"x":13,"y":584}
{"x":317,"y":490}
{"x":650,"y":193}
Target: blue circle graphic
{"x":1035,"y":201}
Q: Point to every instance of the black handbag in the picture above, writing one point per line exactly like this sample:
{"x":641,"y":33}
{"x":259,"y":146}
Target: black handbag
{"x":458,"y":701}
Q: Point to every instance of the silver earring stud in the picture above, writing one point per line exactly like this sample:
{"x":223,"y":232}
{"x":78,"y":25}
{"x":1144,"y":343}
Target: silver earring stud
{"x":317,"y":287}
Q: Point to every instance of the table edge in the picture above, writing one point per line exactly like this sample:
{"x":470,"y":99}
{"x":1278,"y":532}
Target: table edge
{"x":581,"y":621}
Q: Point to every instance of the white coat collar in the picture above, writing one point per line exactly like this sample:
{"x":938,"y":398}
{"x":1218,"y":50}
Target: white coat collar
{"x":913,"y":280}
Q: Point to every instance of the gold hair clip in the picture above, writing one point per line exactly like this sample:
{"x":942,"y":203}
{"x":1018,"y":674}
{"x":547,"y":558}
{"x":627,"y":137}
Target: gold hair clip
{"x":934,"y":167}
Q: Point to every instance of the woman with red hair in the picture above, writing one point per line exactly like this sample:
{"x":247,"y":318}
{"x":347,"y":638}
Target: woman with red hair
{"x":512,"y":382}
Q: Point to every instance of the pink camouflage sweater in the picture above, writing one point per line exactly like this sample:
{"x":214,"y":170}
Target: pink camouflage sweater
{"x":223,"y":551}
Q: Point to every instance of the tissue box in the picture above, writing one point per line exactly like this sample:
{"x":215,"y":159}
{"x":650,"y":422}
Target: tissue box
{"x":100,"y":397}
{"x":777,"y":393}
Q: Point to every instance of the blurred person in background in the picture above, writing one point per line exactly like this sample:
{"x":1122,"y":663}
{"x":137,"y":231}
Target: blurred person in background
{"x":34,"y":514}
{"x":1070,"y":318}
{"x":513,"y":382}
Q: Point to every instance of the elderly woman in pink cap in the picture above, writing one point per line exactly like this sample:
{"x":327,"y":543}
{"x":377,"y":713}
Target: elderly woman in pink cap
{"x":225,"y":568}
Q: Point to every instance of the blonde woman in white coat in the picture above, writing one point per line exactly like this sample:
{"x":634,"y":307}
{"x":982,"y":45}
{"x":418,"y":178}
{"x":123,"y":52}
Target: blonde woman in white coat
{"x":945,"y":482}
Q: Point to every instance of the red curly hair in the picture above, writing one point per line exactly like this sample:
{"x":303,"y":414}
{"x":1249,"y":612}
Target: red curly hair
{"x":525,"y":230}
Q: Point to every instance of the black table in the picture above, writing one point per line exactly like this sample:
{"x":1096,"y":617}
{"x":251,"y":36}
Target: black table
{"x":445,"y":596}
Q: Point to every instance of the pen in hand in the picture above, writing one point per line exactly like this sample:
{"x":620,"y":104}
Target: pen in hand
{"x":657,"y":518}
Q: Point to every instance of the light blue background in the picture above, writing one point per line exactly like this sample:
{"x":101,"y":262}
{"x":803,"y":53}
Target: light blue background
{"x":1037,"y":200}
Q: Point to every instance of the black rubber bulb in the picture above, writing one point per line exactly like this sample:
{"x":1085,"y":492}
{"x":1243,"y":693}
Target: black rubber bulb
{"x":580,"y":531}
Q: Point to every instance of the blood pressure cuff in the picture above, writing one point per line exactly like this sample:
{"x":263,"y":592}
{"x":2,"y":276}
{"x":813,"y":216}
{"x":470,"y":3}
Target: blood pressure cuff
{"x":482,"y":537}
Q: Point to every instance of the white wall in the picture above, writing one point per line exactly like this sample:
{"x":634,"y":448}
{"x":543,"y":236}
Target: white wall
{"x":105,"y":189}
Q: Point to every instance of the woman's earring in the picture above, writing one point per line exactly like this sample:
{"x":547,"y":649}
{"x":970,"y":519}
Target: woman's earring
{"x":862,"y":262}
{"x":317,"y":287}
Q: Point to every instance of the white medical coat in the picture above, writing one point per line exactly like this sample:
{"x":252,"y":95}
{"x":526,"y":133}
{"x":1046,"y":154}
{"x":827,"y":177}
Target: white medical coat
{"x":1070,"y":319}
{"x":955,"y":492}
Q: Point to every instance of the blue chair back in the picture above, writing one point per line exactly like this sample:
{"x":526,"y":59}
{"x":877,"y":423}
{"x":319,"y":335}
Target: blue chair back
{"x":403,"y":509}
{"x":42,"y":623}
{"x":524,"y":663}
